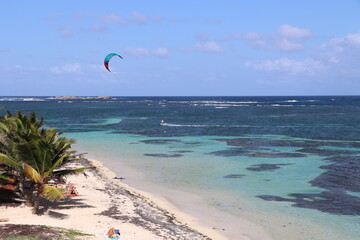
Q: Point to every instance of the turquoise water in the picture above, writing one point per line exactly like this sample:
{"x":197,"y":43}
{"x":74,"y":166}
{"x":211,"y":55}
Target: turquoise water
{"x":290,"y":164}
{"x":200,"y":173}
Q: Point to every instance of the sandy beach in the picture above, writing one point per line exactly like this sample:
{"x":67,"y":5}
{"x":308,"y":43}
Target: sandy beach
{"x":104,"y":202}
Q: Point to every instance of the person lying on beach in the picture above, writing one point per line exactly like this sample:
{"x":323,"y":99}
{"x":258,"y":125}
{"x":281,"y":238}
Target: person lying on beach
{"x":71,"y":191}
{"x":113,"y":233}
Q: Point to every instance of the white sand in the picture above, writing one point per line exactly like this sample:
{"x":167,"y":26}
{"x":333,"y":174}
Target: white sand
{"x":105,"y":202}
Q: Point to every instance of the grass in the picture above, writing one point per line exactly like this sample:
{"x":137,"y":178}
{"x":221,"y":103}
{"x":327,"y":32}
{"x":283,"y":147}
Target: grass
{"x":23,"y":238}
{"x":70,"y":234}
{"x":62,"y":233}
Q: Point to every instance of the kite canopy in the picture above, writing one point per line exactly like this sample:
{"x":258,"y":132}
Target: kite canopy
{"x":107,"y":59}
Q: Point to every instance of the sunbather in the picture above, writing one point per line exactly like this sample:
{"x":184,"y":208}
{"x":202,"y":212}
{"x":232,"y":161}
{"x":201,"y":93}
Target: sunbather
{"x":113,"y":233}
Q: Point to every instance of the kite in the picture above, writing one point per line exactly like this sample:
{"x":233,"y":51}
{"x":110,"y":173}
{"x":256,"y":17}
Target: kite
{"x":107,"y":59}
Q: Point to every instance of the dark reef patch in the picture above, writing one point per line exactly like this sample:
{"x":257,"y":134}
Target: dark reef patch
{"x":192,"y":143}
{"x":235,"y":176}
{"x":273,"y":155}
{"x":338,"y":203}
{"x":163,"y":155}
{"x":266,"y":167}
{"x":229,"y":152}
{"x":183,"y":151}
{"x":79,"y":130}
{"x":251,"y":142}
{"x":160,"y":141}
{"x":327,"y":152}
{"x":342,"y":174}
{"x":244,"y":152}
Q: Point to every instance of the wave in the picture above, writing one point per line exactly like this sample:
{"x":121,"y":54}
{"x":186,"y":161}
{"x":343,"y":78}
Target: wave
{"x":245,"y":126}
{"x":21,"y":99}
{"x":119,"y":100}
{"x":186,"y":125}
{"x":221,"y":105}
{"x":212,"y":102}
{"x":280,"y":105}
{"x":201,"y":125}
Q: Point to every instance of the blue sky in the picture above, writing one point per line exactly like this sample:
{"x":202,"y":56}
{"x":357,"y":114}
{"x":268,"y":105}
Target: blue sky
{"x":180,"y":48}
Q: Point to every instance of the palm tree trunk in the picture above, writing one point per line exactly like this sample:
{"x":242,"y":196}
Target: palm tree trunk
{"x":21,"y":184}
{"x":29,"y":196}
{"x":37,"y":198}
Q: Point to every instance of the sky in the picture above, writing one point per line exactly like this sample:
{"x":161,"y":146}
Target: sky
{"x":180,"y":48}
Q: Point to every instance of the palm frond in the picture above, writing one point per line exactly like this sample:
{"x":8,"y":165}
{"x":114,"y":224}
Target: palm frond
{"x":9,"y":161}
{"x":6,"y":178}
{"x":4,"y":127}
{"x":53,"y":193}
{"x":32,"y":173}
{"x":47,"y":173}
{"x":67,"y":172}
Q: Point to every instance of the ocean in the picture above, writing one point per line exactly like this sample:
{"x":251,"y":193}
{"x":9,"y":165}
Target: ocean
{"x":290,"y":164}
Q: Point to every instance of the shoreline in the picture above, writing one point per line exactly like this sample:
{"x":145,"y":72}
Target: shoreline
{"x":106,"y":202}
{"x":202,"y":215}
{"x":160,"y":203}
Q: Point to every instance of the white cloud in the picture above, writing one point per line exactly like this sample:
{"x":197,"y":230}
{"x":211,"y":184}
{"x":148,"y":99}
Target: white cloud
{"x":96,"y":29}
{"x":65,"y":31}
{"x":143,"y":52}
{"x":230,"y":37}
{"x":286,"y":39}
{"x":138,"y":18}
{"x":52,"y":19}
{"x":286,"y":45}
{"x":338,"y":59}
{"x":67,"y":68}
{"x":273,"y":42}
{"x":343,"y":49}
{"x":202,"y":37}
{"x":174,"y":69}
{"x":333,"y":60}
{"x":353,"y":38}
{"x":255,"y":39}
{"x":111,"y":18}
{"x":288,"y":31}
{"x":134,"y":18}
{"x":286,"y":65}
{"x":210,"y":47}
{"x":342,"y":55}
{"x":350,"y":40}
{"x":212,"y":21}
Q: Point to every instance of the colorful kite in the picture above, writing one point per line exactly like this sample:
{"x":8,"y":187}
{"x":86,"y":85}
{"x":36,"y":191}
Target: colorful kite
{"x":107,"y":59}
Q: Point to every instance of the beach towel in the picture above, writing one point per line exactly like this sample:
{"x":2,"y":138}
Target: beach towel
{"x":104,"y":236}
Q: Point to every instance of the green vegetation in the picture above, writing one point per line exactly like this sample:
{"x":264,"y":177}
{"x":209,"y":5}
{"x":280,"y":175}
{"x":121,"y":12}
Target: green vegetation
{"x":23,"y":238}
{"x":31,"y":155}
{"x":46,"y":232}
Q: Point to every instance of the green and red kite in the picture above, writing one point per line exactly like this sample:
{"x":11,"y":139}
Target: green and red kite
{"x":107,"y":59}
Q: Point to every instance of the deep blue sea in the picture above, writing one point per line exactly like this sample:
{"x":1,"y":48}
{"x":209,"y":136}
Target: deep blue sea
{"x":290,"y":164}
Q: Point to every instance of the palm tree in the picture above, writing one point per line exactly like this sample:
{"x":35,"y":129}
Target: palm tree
{"x":49,"y":152}
{"x":15,"y":129}
{"x":37,"y":152}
